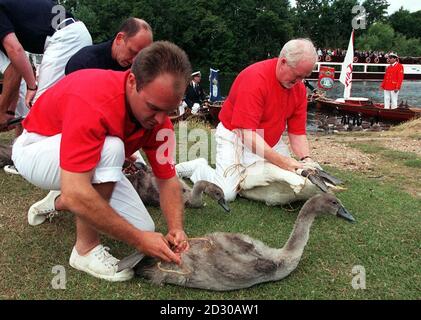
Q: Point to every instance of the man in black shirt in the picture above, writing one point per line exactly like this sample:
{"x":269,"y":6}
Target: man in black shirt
{"x":194,"y":93}
{"x":36,"y":26}
{"x":116,"y":54}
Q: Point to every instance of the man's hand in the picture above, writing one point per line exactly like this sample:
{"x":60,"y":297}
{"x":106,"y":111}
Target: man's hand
{"x":292,"y":164}
{"x":178,"y":239}
{"x":309,"y":163}
{"x":154,"y":244}
{"x":30,"y":94}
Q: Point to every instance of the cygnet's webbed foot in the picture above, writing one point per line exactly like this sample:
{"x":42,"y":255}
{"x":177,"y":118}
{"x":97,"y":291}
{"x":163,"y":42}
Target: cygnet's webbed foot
{"x":329,"y":178}
{"x":320,"y":178}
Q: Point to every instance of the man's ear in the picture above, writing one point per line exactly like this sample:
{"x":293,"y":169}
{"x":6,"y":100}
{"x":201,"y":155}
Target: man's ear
{"x":283,"y":61}
{"x":132,"y":81}
{"x":120,"y":37}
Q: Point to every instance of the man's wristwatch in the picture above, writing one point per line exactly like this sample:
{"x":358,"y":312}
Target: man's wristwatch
{"x":32,"y":89}
{"x":305,"y":157}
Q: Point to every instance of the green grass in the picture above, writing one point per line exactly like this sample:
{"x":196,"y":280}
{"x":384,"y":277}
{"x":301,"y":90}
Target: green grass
{"x":385,"y":240}
{"x":413,"y":163}
{"x":408,"y":159}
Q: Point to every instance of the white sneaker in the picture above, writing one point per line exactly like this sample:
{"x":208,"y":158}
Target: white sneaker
{"x":11,"y":169}
{"x":43,"y":209}
{"x":186,"y":169}
{"x":100,"y":264}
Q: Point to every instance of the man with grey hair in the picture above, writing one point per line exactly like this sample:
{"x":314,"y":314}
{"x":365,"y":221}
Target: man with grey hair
{"x":265,"y":99}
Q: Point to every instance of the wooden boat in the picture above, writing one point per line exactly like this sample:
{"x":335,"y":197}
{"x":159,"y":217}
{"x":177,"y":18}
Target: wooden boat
{"x":214,"y":110}
{"x":368,"y":109}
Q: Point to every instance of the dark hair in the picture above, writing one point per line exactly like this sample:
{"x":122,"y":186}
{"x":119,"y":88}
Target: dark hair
{"x":132,"y":26}
{"x":162,"y":57}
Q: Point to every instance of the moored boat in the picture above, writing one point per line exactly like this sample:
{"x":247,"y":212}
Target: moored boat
{"x":371,"y":70}
{"x":366,"y":108}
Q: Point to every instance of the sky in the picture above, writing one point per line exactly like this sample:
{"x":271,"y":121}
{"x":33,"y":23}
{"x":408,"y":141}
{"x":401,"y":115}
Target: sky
{"x":410,"y":5}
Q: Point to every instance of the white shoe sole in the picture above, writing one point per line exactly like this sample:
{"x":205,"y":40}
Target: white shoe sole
{"x":114,"y":278}
{"x":11,"y":170}
{"x":35,"y":218}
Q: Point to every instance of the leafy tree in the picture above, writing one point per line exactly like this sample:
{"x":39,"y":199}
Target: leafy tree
{"x":407,"y":23}
{"x":376,"y":11}
{"x":382,"y":37}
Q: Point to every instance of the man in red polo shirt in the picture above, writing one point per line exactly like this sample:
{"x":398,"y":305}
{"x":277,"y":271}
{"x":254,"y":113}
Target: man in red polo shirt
{"x":265,"y":99}
{"x":392,"y":81}
{"x":75,"y":141}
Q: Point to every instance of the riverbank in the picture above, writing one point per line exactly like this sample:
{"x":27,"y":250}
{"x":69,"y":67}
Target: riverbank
{"x":393,"y":153}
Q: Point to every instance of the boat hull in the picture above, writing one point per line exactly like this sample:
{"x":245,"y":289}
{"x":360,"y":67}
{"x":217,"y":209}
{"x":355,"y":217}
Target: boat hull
{"x":369,"y":110}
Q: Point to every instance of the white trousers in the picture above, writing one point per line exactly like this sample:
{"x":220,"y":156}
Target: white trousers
{"x":21,"y":109}
{"x":58,"y":49}
{"x":231,"y":159}
{"x":37,"y":159}
{"x":390,"y":95}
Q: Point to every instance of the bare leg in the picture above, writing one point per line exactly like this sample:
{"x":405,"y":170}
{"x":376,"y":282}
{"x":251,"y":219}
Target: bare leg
{"x":10,"y":93}
{"x":87,"y":237}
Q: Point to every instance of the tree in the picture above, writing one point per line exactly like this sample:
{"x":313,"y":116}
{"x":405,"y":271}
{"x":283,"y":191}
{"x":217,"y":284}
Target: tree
{"x":376,"y":11}
{"x":382,"y":37}
{"x":407,"y":23}
{"x":223,"y":34}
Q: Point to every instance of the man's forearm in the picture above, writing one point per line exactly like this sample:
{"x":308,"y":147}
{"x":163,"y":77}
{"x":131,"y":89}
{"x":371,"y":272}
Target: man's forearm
{"x":299,"y":145}
{"x":20,"y":61}
{"x":171,"y":202}
{"x":258,"y":145}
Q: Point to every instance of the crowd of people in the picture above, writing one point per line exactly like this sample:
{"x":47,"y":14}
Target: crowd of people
{"x":361,"y":56}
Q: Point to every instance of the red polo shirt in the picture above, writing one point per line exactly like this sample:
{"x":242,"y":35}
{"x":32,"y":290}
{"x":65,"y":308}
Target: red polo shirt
{"x":258,"y":101}
{"x":89,"y":105}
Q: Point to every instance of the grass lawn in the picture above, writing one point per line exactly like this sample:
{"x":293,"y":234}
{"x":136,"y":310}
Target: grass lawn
{"x":385,"y":240}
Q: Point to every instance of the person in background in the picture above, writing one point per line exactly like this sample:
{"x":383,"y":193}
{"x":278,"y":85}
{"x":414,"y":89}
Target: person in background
{"x":116,"y":54}
{"x":392,"y":81}
{"x":36,"y":27}
{"x":194,"y":93}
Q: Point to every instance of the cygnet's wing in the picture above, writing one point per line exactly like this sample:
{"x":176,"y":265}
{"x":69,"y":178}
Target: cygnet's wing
{"x":130,"y":261}
{"x":5,"y":155}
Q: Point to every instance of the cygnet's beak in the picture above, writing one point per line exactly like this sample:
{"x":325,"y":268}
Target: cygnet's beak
{"x":343,"y":213}
{"x":224,"y":204}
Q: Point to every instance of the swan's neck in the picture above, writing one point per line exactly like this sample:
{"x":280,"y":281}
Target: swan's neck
{"x":300,"y":234}
{"x":196,"y":199}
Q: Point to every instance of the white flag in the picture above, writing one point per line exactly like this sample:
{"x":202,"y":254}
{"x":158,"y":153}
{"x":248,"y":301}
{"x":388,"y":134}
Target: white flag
{"x":346,"y":72}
